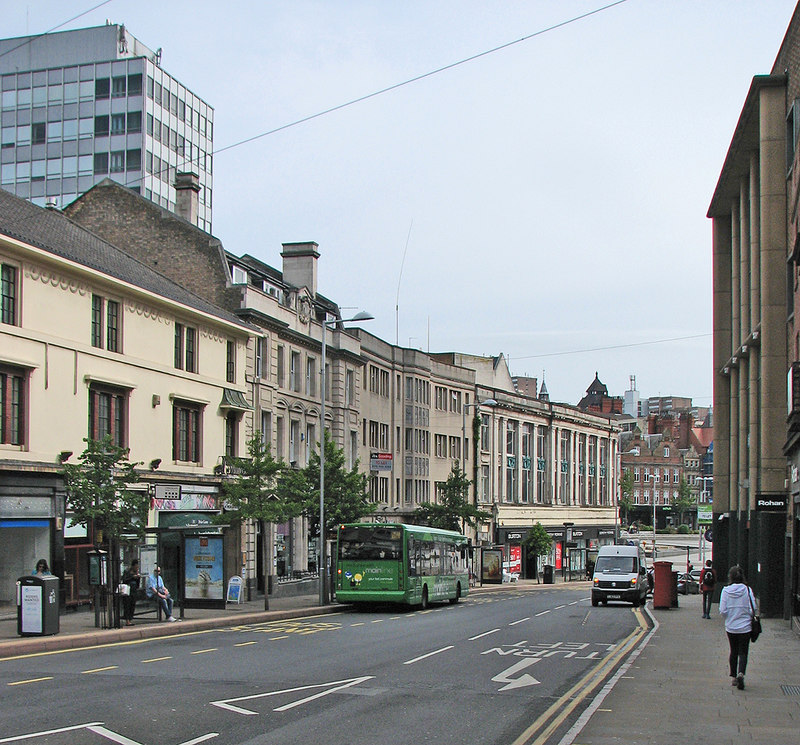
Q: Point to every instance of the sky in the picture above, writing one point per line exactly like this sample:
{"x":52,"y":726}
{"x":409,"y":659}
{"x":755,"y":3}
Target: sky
{"x":546,"y":200}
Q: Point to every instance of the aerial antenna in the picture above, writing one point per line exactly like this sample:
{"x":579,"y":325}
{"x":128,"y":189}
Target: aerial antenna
{"x":397,"y":300}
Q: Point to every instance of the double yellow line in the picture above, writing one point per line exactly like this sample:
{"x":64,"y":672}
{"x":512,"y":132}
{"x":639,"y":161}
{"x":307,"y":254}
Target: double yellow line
{"x":548,"y":722}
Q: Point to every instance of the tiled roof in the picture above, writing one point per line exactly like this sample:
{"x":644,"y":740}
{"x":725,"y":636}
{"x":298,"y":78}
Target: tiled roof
{"x":51,"y":231}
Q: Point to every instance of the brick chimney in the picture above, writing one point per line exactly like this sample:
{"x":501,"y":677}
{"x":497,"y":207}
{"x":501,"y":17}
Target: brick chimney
{"x":300,"y":265}
{"x":187,"y":187}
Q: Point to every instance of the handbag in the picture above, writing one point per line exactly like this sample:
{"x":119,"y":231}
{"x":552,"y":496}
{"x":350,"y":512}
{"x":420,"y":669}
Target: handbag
{"x":755,"y":629}
{"x":123,"y":589}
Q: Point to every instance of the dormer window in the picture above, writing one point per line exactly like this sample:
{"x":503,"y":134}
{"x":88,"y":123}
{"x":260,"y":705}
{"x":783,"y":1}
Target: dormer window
{"x":238,"y":275}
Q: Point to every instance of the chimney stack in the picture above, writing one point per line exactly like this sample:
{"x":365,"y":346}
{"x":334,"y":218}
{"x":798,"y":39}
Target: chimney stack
{"x":187,"y":201}
{"x":300,"y":265}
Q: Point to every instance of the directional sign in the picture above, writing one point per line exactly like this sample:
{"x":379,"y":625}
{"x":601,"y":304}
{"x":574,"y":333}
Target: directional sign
{"x":331,"y":687}
{"x":523,"y":680}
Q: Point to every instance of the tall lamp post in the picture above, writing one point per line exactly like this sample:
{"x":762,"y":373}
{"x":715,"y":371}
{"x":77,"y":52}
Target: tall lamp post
{"x":322,"y":568}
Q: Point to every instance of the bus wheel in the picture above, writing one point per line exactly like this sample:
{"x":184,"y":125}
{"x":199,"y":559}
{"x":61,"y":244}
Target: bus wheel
{"x":424,"y":604}
{"x":458,"y":594}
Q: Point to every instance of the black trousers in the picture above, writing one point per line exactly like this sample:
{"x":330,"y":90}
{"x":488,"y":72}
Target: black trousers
{"x":707,"y":602}
{"x":740,"y":645}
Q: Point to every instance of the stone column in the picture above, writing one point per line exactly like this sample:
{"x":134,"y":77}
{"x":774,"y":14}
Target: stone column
{"x":773,"y":255}
{"x":722,"y":346}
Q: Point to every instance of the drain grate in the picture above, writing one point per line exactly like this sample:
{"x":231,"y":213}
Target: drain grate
{"x":791,"y":690}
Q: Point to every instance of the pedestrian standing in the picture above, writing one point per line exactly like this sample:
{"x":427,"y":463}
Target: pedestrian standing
{"x":132,"y":578}
{"x":737,"y":606}
{"x":708,"y":578}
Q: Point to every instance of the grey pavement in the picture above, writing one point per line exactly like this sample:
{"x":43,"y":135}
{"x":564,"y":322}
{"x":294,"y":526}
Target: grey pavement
{"x":673,"y":689}
{"x":677,"y":689}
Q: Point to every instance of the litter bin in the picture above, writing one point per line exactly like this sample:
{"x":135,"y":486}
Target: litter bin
{"x":548,"y":574}
{"x":37,"y":606}
{"x":662,"y":584}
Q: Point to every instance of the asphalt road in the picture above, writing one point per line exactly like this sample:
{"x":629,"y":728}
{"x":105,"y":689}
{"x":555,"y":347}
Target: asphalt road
{"x":502,"y":667}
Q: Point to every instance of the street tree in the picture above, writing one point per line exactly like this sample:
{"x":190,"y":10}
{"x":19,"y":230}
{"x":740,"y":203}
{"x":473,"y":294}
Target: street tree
{"x":684,"y":501}
{"x":253,"y":493}
{"x":626,"y":495}
{"x":538,"y":542}
{"x":98,"y":494}
{"x":452,"y":509}
{"x":346,"y":496}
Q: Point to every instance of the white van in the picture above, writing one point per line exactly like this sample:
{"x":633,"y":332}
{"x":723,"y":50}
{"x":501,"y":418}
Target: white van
{"x":620,"y":573}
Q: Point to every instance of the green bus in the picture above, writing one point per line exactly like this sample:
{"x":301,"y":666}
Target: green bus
{"x":396,"y":563}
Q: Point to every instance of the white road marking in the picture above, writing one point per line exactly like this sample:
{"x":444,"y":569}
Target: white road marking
{"x":32,"y":680}
{"x":424,"y":656}
{"x":99,"y":669}
{"x":485,"y":633}
{"x":200,"y":739}
{"x":113,"y":736}
{"x":521,"y":620}
{"x":522,"y":680}
{"x":17,"y":738}
{"x":338,"y":685}
{"x":541,"y":613}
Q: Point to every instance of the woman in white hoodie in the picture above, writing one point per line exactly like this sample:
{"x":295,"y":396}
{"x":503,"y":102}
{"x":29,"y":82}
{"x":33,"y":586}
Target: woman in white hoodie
{"x":736,"y":608}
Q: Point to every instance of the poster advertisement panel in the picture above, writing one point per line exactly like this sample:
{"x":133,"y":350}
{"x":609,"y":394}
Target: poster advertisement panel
{"x":204,"y":580}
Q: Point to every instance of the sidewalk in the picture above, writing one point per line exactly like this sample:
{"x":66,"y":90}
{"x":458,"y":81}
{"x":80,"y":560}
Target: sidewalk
{"x":77,"y":628}
{"x":678,"y":690}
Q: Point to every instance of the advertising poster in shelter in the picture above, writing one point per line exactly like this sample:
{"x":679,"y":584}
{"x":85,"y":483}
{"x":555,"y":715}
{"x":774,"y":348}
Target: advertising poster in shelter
{"x":204,"y":575}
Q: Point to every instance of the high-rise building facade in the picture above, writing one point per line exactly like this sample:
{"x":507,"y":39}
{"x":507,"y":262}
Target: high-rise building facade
{"x":80,"y":106}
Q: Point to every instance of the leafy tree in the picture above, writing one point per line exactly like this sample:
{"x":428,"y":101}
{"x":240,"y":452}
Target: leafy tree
{"x":684,"y":501}
{"x":626,"y":495}
{"x":346,"y":495}
{"x":254,"y":494}
{"x":453,"y":509}
{"x":97,"y":492}
{"x":538,"y":541}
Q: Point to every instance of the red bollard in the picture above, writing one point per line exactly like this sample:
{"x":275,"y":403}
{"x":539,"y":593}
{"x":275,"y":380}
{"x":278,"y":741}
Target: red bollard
{"x":662,"y":584}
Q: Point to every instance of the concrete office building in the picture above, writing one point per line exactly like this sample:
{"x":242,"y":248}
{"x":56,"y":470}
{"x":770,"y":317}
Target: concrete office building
{"x":80,"y":106}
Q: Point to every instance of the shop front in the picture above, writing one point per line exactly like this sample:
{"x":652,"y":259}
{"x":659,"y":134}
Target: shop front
{"x":572,"y":552}
{"x":31,"y":528}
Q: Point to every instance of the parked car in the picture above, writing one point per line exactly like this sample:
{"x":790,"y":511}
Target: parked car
{"x":687,"y":584}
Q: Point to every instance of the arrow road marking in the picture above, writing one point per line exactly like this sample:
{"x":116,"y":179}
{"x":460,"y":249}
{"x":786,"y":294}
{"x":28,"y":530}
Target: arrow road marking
{"x":522,"y":680}
{"x":336,"y":685}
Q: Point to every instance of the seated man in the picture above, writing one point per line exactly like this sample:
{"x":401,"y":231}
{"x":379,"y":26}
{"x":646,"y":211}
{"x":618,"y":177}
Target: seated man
{"x":157,"y":589}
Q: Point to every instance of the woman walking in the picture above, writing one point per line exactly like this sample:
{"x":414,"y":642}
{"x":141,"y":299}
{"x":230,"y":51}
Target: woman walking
{"x":737,"y":606}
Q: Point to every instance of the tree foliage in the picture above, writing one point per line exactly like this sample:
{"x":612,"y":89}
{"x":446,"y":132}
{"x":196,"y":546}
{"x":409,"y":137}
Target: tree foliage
{"x":538,"y":541}
{"x":625,"y":495}
{"x":346,"y":496}
{"x":97,"y":490}
{"x":684,"y":501}
{"x":453,"y":509}
{"x":254,"y":492}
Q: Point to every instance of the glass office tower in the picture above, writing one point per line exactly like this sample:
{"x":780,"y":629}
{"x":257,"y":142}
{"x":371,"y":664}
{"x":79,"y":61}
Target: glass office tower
{"x":80,"y":106}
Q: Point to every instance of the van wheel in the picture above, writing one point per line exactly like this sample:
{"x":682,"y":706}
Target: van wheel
{"x":424,"y":603}
{"x":595,"y":602}
{"x":635,"y":602}
{"x":458,"y":594}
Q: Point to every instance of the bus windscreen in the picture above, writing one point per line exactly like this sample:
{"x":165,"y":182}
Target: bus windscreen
{"x":370,"y":543}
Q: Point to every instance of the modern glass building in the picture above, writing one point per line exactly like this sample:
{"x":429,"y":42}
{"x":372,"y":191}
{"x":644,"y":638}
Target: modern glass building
{"x":80,"y":106}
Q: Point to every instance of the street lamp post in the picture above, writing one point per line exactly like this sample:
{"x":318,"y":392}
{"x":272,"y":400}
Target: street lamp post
{"x":322,"y":567}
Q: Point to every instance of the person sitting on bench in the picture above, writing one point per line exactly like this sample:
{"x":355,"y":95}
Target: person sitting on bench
{"x":156,"y":589}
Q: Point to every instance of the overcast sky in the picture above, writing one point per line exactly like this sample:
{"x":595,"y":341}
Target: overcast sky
{"x":546,"y":201}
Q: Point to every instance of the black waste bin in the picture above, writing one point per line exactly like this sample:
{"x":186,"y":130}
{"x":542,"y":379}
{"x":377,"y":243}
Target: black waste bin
{"x":548,"y":574}
{"x":37,"y":606}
